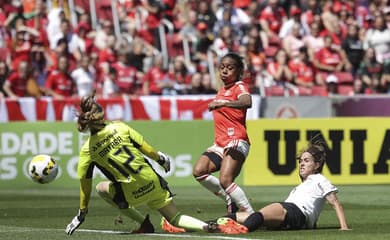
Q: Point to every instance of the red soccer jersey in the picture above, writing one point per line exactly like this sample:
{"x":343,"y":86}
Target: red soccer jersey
{"x":18,"y":84}
{"x":303,"y":71}
{"x":60,"y":83}
{"x":230,"y":123}
{"x":154,"y":76}
{"x":328,"y":57}
{"x":274,"y":19}
{"x":126,"y":78}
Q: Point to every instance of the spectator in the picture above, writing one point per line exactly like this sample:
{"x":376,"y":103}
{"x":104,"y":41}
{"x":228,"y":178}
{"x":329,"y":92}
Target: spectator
{"x":108,"y":55}
{"x":353,"y":47}
{"x":196,"y":84}
{"x":272,"y":18}
{"x":73,"y":41}
{"x":370,"y":72}
{"x":293,"y":42}
{"x":237,"y":17}
{"x":140,"y":53}
{"x":61,"y":50}
{"x":302,"y":69}
{"x":295,"y":18}
{"x":314,"y":42}
{"x":205,"y":14}
{"x":4,"y":71}
{"x":40,"y":62}
{"x":55,"y":17}
{"x":59,"y":83}
{"x":84,"y":37}
{"x":154,"y":79}
{"x":180,"y":77}
{"x":225,"y":42}
{"x":359,"y":88}
{"x":127,"y":80}
{"x":256,"y":39}
{"x":102,"y":34}
{"x":20,"y":50}
{"x":15,"y":85}
{"x":205,"y":40}
{"x":109,"y":87}
{"x":279,"y":69}
{"x":311,"y":8}
{"x":155,"y":11}
{"x":329,"y":59}
{"x":207,"y":84}
{"x":378,"y":37}
{"x":84,"y":77}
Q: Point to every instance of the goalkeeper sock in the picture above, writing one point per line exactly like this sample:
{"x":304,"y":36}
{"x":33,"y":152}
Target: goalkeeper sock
{"x":133,"y":214}
{"x":212,"y":183}
{"x":188,"y":222}
{"x":239,"y":197}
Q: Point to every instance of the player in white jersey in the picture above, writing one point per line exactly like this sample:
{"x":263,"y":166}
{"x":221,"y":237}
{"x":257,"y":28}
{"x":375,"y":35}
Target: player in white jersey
{"x":303,"y":206}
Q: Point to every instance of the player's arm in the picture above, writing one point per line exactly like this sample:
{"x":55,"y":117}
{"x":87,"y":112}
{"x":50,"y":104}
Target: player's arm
{"x":148,"y":150}
{"x":334,"y":201}
{"x":85,"y":195}
{"x":85,"y":172}
{"x":157,"y":156}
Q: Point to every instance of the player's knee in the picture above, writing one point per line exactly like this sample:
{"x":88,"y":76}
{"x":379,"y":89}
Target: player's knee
{"x":225,"y":180}
{"x":198,"y":171}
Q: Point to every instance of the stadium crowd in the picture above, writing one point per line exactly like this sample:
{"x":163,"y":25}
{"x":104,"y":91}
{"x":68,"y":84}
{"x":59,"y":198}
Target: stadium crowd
{"x":333,"y":46}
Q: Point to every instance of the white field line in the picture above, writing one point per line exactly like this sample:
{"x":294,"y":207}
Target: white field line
{"x":179,"y":235}
{"x":157,"y":235}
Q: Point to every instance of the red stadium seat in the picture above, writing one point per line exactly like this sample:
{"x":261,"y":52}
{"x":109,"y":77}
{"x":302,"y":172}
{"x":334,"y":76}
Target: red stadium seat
{"x":274,"y":91}
{"x":302,"y":91}
{"x":344,"y":77}
{"x":319,"y":91}
{"x":345,"y":90}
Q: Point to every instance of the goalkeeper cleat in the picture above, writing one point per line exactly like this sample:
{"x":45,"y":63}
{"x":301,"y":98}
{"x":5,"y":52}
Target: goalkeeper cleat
{"x":229,"y":226}
{"x":146,"y":226}
{"x":232,"y":208}
{"x":168,"y":227}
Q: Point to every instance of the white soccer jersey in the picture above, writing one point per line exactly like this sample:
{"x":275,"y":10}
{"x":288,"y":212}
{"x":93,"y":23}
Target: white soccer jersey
{"x":309,"y":196}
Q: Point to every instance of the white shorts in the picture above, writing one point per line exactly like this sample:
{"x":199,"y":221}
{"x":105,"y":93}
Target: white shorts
{"x":240,"y":145}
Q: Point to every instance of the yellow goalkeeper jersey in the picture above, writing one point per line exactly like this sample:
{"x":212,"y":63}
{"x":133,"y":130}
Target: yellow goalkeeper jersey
{"x":115,"y":150}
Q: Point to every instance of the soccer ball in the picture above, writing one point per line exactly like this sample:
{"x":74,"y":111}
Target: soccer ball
{"x":43,"y":169}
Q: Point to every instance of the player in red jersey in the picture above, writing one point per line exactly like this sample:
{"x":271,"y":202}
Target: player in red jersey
{"x":231,"y":142}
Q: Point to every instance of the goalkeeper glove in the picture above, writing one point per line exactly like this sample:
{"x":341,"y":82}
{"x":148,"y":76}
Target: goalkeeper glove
{"x":76,"y":221}
{"x":164,"y":161}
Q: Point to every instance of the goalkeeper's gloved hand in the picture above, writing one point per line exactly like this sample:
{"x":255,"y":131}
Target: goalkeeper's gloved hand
{"x":76,"y":221}
{"x":164,"y":161}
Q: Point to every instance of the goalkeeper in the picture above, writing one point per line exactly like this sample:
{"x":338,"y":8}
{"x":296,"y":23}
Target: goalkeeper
{"x":118,"y":151}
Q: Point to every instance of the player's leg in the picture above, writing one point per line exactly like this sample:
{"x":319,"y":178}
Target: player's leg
{"x":171,"y":213}
{"x":230,"y":169}
{"x":208,"y":163}
{"x":271,"y":216}
{"x":115,"y":197}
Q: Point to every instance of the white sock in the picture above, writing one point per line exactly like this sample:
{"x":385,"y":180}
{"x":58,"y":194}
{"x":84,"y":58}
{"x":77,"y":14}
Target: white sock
{"x":213,"y":185}
{"x":238,"y":196}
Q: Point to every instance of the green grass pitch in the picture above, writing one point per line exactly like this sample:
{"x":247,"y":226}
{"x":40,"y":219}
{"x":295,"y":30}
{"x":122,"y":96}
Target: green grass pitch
{"x":43,"y":212}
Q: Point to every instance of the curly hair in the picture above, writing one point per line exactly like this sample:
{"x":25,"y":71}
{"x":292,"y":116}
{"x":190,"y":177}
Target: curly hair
{"x":91,"y":115}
